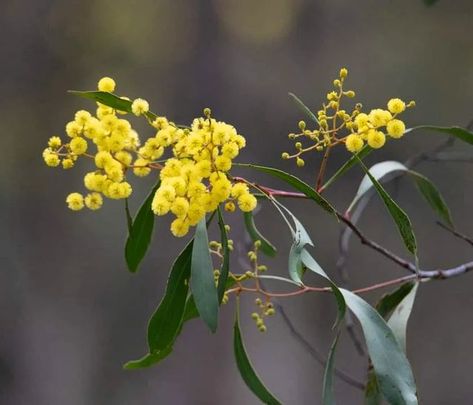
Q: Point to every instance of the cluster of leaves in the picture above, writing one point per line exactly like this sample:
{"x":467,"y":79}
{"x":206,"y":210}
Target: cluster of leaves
{"x":191,"y":290}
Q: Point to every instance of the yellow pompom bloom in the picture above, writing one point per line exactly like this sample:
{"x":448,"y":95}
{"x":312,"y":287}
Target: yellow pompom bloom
{"x":379,"y":117}
{"x":247,"y":202}
{"x":67,"y":163}
{"x":73,"y":129}
{"x":75,"y":201}
{"x":124,"y":157}
{"x":166,"y":192}
{"x":361,"y":120}
{"x":354,"y":143}
{"x":195,"y":213}
{"x":106,"y":84}
{"x":50,"y":158}
{"x":179,"y":227}
{"x":139,"y":107}
{"x":93,"y":201}
{"x":223,"y":163}
{"x":160,"y":205}
{"x":114,"y":171}
{"x":376,"y":139}
{"x":396,"y":128}
{"x":230,"y":150}
{"x":230,"y":206}
{"x":54,"y":142}
{"x":102,"y":159}
{"x":82,"y":117}
{"x":239,"y":189}
{"x":140,"y":167}
{"x":396,"y":105}
{"x":78,"y":145}
{"x":180,"y":206}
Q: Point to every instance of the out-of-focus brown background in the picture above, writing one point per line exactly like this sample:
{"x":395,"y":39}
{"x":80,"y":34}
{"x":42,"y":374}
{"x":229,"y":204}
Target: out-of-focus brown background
{"x":70,"y":313}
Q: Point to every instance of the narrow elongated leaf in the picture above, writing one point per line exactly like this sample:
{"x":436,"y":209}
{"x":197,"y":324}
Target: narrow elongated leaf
{"x":433,"y":197}
{"x":266,"y":246}
{"x":391,"y":366}
{"x":399,"y":318}
{"x":295,"y":183}
{"x":306,"y":110}
{"x":365,"y":151}
{"x":460,"y":133}
{"x":222,"y":280}
{"x":140,"y":233}
{"x":378,"y":171}
{"x":246,"y":369}
{"x":393,"y":301}
{"x":110,"y":100}
{"x":129,"y":219}
{"x":165,"y":323}
{"x":399,"y":216}
{"x":202,"y":279}
{"x":327,"y":388}
{"x":301,"y":239}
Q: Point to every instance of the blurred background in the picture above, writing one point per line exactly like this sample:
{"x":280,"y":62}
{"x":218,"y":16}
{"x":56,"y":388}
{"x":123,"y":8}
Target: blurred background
{"x":71,"y":314}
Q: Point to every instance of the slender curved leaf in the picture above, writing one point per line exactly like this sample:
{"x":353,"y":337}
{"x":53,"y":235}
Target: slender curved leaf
{"x":222,"y":280}
{"x":399,"y":216}
{"x":458,"y":132}
{"x":246,"y":369}
{"x":202,"y":279}
{"x":140,"y":232}
{"x":266,"y":247}
{"x":327,"y":388}
{"x":433,"y":197}
{"x":391,"y":366}
{"x":306,"y":110}
{"x":389,"y":301}
{"x":365,"y":151}
{"x":294,"y":182}
{"x":165,"y":323}
{"x":372,"y":393}
{"x":399,"y":318}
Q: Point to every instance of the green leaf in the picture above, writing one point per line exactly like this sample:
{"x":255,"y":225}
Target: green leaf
{"x":399,"y":318}
{"x":266,"y":247}
{"x":140,"y":232}
{"x":399,"y":216}
{"x":433,"y":197}
{"x":460,"y":133}
{"x":246,"y":369}
{"x":202,"y":278}
{"x":129,"y":219}
{"x":165,"y":324}
{"x":372,"y":394}
{"x":306,"y":110}
{"x":110,"y":100}
{"x":391,"y":366}
{"x":148,"y":360}
{"x":347,"y":166}
{"x":389,"y":301}
{"x":296,"y":183}
{"x":327,"y":388}
{"x":222,"y":280}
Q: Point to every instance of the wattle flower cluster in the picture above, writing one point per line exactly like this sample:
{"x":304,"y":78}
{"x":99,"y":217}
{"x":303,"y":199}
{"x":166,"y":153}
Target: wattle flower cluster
{"x":353,"y":129}
{"x":194,"y":179}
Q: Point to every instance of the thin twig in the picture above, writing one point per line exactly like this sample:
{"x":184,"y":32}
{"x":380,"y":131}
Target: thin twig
{"x":456,"y":233}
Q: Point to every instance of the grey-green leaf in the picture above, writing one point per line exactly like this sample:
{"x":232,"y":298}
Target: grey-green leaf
{"x":399,"y":216}
{"x":399,"y":318}
{"x":327,"y":387}
{"x":202,"y":278}
{"x":266,"y":246}
{"x":458,"y":132}
{"x":140,"y":233}
{"x":306,"y":110}
{"x":393,"y":371}
{"x":246,"y":369}
{"x":391,"y":300}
